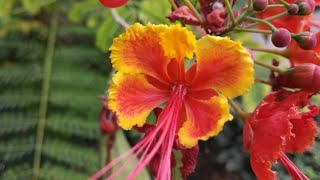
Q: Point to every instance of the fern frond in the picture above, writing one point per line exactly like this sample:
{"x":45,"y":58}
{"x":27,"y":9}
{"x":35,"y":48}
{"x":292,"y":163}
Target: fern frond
{"x":16,"y":122}
{"x":17,"y":173}
{"x":76,"y":30}
{"x":78,"y":55}
{"x":17,"y":100}
{"x":16,"y":148}
{"x":79,"y":100}
{"x":49,"y":171}
{"x":76,"y":78}
{"x":19,"y":75}
{"x":76,"y":156}
{"x":69,"y":124}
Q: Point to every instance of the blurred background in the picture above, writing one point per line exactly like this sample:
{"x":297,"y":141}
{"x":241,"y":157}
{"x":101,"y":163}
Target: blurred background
{"x":54,"y":64}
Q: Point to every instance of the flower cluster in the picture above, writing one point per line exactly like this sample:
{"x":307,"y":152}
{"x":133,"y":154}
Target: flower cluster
{"x":188,"y":83}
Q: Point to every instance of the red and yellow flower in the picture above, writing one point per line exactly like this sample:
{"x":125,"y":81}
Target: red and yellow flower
{"x":277,"y":127}
{"x":150,"y":61}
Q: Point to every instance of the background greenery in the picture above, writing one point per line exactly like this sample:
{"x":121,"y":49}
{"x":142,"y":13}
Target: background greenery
{"x":54,"y":65}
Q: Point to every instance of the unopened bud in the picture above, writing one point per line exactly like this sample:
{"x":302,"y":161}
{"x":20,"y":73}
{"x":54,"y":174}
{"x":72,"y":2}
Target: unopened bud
{"x":306,"y":40}
{"x":107,"y":118}
{"x":306,"y":7}
{"x":281,"y":37}
{"x":260,"y":5}
{"x":293,"y":9}
{"x":304,"y":76}
{"x":113,"y":3}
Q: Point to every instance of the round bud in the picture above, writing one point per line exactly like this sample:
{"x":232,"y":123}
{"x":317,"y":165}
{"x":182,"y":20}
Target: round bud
{"x":306,"y":7}
{"x":113,"y":3}
{"x":281,"y":37}
{"x":293,"y":9}
{"x":306,"y":40}
{"x":260,"y":5}
{"x":304,"y":76}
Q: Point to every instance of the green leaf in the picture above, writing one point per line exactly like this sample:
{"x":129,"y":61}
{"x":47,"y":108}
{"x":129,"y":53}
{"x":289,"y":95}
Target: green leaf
{"x":154,"y":11}
{"x":105,"y":34}
{"x":80,"y":11}
{"x":33,"y":6}
{"x":120,"y":146}
{"x":6,"y":8}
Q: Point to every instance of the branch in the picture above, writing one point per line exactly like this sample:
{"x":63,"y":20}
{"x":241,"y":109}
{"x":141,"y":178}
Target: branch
{"x":118,"y":18}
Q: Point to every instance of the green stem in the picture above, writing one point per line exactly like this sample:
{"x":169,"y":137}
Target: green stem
{"x":173,"y":5}
{"x":240,"y":19}
{"x":243,"y":115}
{"x":45,"y":91}
{"x":268,"y":66}
{"x":263,"y":81}
{"x":270,"y":18}
{"x":253,"y":31}
{"x":103,"y":151}
{"x":195,"y":13}
{"x":229,"y":11}
{"x":261,"y":21}
{"x":287,"y":5}
{"x":275,"y":6}
{"x":283,"y":53}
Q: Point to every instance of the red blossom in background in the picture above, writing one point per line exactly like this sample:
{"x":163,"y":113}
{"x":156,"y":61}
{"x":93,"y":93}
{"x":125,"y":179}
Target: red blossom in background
{"x":277,"y":127}
{"x":113,"y":3}
{"x":213,"y":12}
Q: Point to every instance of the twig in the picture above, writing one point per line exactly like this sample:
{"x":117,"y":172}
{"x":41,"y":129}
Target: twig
{"x":118,"y":18}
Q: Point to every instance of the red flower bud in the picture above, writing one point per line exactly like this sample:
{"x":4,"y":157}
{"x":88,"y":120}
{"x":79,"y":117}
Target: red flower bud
{"x":304,"y":76}
{"x":293,"y":9}
{"x":260,"y":5}
{"x":281,"y":37}
{"x":306,"y":40}
{"x":113,"y":3}
{"x":107,"y":118}
{"x":306,"y":7}
{"x":216,"y":17}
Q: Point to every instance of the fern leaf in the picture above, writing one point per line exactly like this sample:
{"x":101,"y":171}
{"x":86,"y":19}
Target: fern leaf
{"x":16,"y":148}
{"x":68,"y":124}
{"x":74,"y":155}
{"x":16,"y":122}
{"x":17,"y":173}
{"x":49,"y":171}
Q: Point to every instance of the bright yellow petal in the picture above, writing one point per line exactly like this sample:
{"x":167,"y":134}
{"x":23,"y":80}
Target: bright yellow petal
{"x":138,"y":50}
{"x":204,"y":119}
{"x":223,"y":64}
{"x":178,"y":42}
{"x":132,"y":97}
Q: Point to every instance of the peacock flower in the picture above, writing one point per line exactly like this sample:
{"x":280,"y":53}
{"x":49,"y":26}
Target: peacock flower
{"x":151,"y":71}
{"x":277,"y":127}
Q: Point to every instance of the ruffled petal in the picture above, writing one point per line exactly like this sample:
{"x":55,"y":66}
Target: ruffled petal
{"x":270,"y":135}
{"x":132,"y":97}
{"x":184,"y":14}
{"x":204,"y":118}
{"x":223,"y":64}
{"x":263,"y":170}
{"x":138,"y":50}
{"x":305,"y":130}
{"x":178,"y":42}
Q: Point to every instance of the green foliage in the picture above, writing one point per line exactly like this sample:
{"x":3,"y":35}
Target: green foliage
{"x":78,"y":77}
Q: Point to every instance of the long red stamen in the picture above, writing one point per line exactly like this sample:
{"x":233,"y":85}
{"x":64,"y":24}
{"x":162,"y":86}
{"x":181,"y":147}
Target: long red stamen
{"x":293,"y":170}
{"x":170,"y":116}
{"x":164,"y":131}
